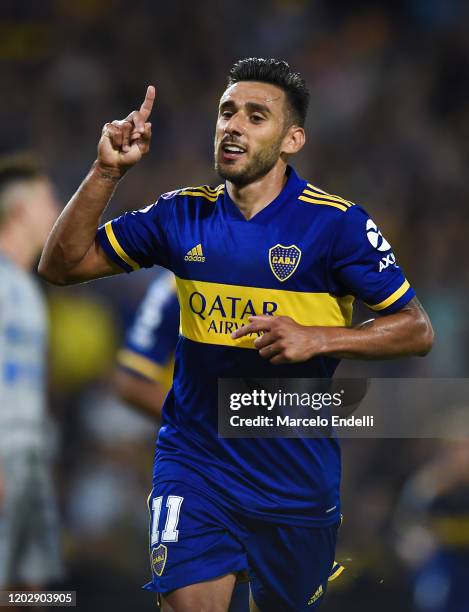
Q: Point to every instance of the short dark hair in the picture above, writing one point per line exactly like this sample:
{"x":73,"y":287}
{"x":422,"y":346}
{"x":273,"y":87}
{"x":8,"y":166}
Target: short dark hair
{"x":276,"y":72}
{"x":15,"y":168}
{"x":19,"y":167}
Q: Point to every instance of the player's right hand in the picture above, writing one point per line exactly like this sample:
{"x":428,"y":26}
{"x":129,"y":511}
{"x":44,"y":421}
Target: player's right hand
{"x":123,"y":143}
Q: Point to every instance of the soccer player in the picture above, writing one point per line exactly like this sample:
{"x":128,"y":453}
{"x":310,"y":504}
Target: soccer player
{"x":267,"y":266}
{"x":432,"y":521}
{"x":29,"y":539}
{"x":145,"y":362}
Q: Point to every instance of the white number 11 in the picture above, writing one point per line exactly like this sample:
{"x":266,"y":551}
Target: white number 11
{"x":170,"y":531}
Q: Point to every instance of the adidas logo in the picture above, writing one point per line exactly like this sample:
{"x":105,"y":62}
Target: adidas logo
{"x":195,"y":254}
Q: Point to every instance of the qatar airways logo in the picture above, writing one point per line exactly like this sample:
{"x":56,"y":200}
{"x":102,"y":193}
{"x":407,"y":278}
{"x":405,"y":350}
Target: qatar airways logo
{"x":225,"y":314}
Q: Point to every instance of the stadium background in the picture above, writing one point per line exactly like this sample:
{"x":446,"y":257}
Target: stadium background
{"x":388,"y":127}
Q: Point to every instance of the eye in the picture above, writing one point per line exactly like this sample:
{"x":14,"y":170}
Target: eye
{"x":257,"y":118}
{"x":226,"y":114}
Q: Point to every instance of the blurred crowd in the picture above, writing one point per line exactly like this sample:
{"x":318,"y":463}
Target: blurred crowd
{"x":388,"y":128}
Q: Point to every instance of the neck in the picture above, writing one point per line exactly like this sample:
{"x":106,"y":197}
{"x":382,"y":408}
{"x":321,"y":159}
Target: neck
{"x":16,"y":248}
{"x":252,"y":198}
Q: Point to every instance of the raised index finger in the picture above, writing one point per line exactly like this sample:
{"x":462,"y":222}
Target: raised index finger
{"x":147,"y":105}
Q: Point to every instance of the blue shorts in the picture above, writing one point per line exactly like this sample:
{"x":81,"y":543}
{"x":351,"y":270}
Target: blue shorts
{"x":193,"y":539}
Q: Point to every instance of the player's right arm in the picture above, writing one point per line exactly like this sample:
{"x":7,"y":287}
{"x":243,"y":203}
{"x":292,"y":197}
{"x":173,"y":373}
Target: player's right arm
{"x":72,"y":253}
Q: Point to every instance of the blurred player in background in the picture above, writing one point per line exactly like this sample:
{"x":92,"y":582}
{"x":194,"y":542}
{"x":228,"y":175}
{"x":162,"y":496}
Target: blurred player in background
{"x":146,"y":360}
{"x":266,"y":242}
{"x":432,"y":521}
{"x":29,"y":529}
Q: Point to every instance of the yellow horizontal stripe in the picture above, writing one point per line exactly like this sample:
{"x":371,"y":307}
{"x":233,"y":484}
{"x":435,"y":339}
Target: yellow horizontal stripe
{"x":207,"y":190}
{"x":117,"y":247}
{"x":313,"y":201}
{"x":324,"y":193}
{"x":210,"y":190}
{"x":210,"y":312}
{"x":392,"y":298}
{"x":198,"y":192}
{"x":140,"y":364}
{"x":327,"y":196}
{"x":201,"y":194}
{"x":336,"y":574}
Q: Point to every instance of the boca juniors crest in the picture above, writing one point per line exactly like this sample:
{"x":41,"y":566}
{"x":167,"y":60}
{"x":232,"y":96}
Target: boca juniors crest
{"x":284,"y":260}
{"x":159,"y":554}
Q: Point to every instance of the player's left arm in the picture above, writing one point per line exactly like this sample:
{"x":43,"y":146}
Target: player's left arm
{"x":401,"y":334}
{"x":361,"y":264}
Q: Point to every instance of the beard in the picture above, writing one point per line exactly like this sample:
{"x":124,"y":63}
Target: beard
{"x":258,"y":166}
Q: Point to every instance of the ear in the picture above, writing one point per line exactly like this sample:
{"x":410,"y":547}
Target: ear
{"x":293,"y":140}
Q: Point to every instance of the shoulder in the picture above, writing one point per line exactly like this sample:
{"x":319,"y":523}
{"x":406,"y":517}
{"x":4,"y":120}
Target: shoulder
{"x":334,"y":211}
{"x":170,"y":202}
{"x":187,"y":201}
{"x":325,"y":202}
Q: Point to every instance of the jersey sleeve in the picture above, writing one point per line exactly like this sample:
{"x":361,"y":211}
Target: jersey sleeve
{"x":151,"y":339}
{"x":138,"y":239}
{"x":364,"y":265}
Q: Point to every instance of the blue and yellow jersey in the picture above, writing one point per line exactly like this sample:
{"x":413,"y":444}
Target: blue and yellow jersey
{"x":151,"y":340}
{"x":308,"y":255}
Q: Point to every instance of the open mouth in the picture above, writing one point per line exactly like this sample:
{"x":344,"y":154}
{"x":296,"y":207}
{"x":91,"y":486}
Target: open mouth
{"x":232,"y":151}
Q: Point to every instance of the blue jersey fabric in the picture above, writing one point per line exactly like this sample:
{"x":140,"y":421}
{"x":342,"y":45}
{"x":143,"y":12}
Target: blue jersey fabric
{"x":151,"y":339}
{"x":308,"y":255}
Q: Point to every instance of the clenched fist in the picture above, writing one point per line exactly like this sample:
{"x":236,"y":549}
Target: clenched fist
{"x":123,"y":143}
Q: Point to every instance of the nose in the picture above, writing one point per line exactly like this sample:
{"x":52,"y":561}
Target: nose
{"x":234,"y":125}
